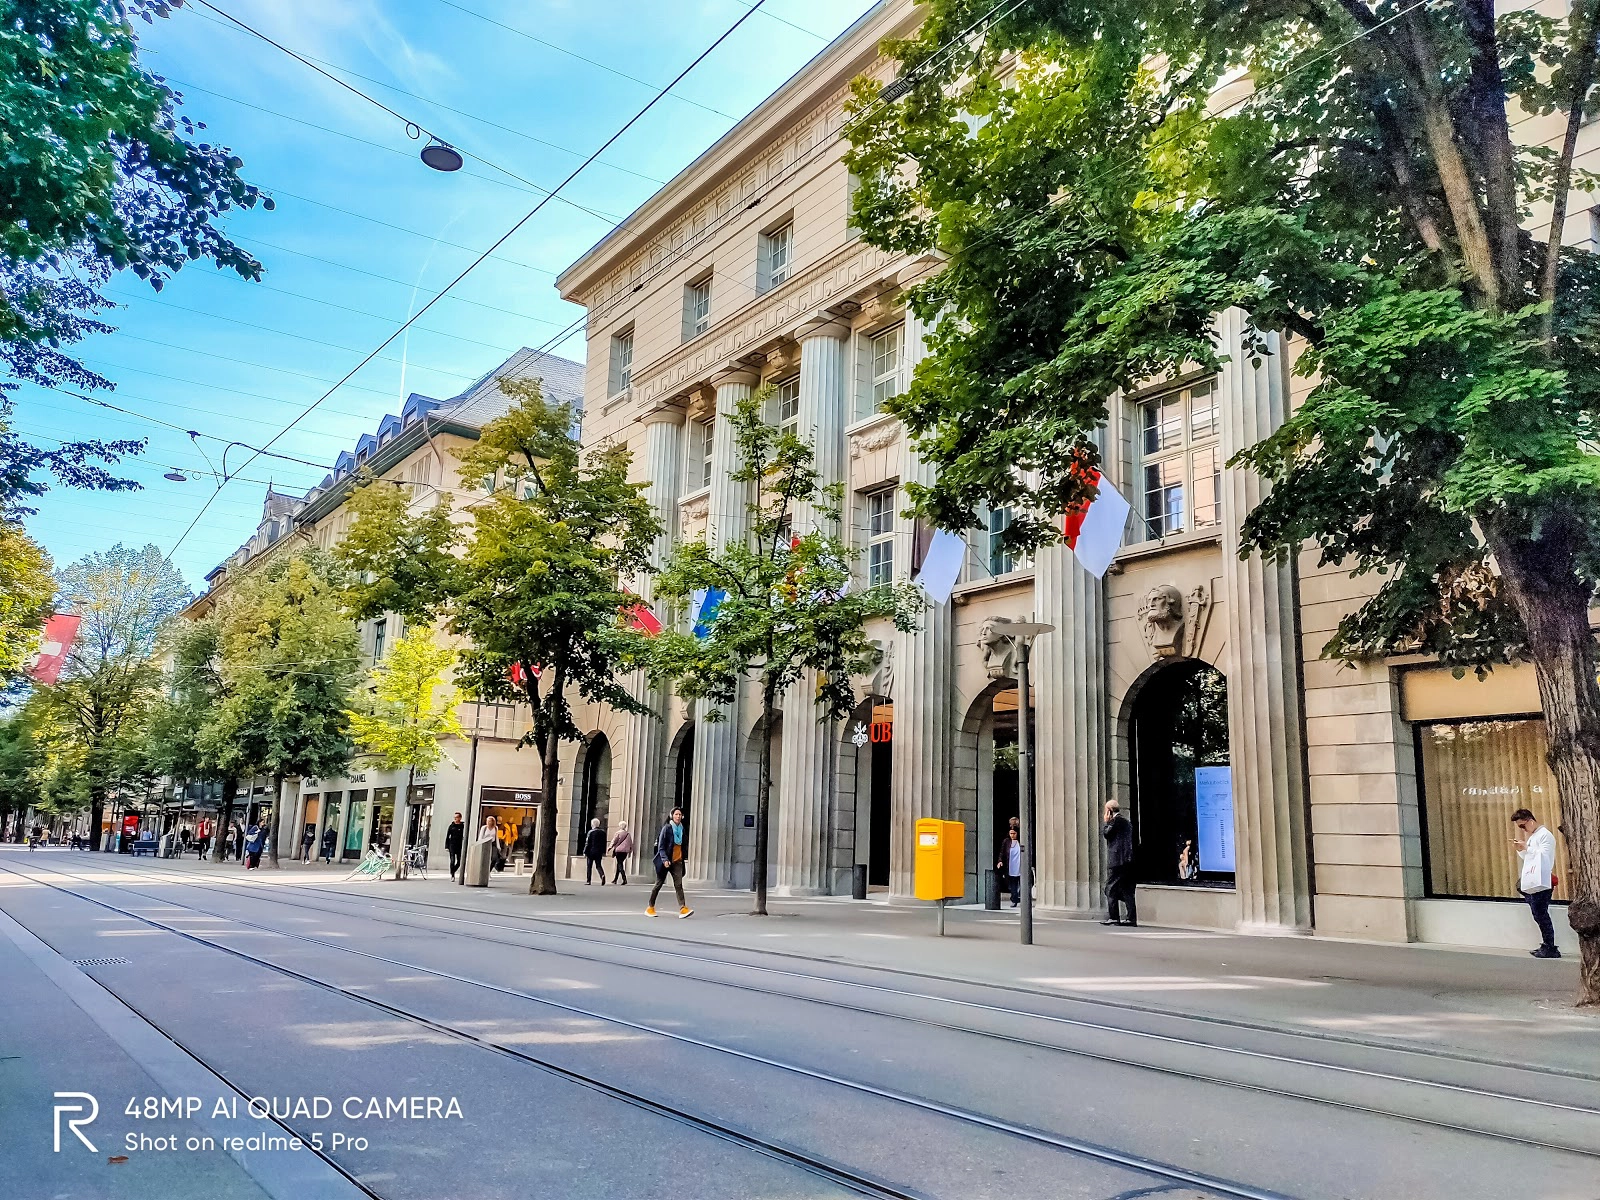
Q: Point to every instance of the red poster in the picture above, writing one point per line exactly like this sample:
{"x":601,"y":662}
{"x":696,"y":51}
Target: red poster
{"x":60,"y":631}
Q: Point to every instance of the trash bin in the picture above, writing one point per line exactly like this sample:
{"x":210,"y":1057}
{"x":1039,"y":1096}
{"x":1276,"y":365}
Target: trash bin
{"x":991,"y":889}
{"x":479,"y":858}
{"x":858,"y":882}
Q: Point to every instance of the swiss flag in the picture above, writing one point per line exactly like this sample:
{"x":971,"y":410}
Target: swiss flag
{"x":518,"y":679}
{"x":1094,"y":530}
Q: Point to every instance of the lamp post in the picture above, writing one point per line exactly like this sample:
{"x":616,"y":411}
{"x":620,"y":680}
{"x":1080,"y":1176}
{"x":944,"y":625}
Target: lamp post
{"x":467,"y":832}
{"x":1021,"y":634}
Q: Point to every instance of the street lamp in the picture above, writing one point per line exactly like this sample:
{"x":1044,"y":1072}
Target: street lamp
{"x":1019,"y":635}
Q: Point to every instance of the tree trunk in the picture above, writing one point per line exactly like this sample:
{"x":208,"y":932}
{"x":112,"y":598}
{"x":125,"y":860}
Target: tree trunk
{"x":402,"y":822}
{"x":279,"y":813}
{"x":97,"y":815}
{"x":219,"y":835}
{"x":1553,"y":603}
{"x":764,"y":801}
{"x":543,"y":882}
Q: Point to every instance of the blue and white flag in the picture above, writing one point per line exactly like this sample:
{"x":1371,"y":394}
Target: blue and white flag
{"x":941,"y":565}
{"x":703,"y":610}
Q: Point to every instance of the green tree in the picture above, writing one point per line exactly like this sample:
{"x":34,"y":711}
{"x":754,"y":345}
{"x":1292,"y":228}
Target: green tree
{"x":395,"y":560}
{"x":407,"y":717}
{"x":786,"y":610}
{"x":537,"y":591}
{"x":27,"y":590}
{"x":19,"y":763}
{"x":1099,"y":203}
{"x":287,"y":660}
{"x":103,"y":173}
{"x":93,"y":717}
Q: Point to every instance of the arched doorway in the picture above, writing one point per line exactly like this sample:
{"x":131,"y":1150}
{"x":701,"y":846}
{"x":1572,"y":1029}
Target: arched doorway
{"x":594,"y":787}
{"x":750,"y":796}
{"x":988,"y":791}
{"x":681,"y":765}
{"x":1182,"y":785}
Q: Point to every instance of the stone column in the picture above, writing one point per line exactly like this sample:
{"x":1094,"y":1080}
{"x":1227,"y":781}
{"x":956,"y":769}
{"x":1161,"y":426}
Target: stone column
{"x":1265,"y":727}
{"x":639,"y":803}
{"x":924,"y":688}
{"x":344,"y":827}
{"x":807,"y":781}
{"x":322,"y":824}
{"x":1072,"y":751}
{"x":714,"y":808}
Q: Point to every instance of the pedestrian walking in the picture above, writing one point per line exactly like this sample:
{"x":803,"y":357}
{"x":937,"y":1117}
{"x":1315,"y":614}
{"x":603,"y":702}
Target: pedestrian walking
{"x":1118,"y":833}
{"x":236,"y":838}
{"x":594,"y":853}
{"x":329,"y":837}
{"x":621,"y":847}
{"x":453,"y":839}
{"x":308,"y":839}
{"x":1536,"y":847}
{"x":490,"y":832}
{"x":1010,"y":864}
{"x":184,"y":838}
{"x":671,"y":853}
{"x":254,"y":844}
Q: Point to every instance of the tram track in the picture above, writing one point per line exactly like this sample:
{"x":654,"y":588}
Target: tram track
{"x":677,"y":972}
{"x":1167,"y":1174}
{"x":107,"y":878}
{"x":1096,"y":1001}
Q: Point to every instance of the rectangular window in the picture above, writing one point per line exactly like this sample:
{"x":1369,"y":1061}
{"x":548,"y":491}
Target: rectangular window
{"x":1003,"y":561}
{"x":706,"y":435}
{"x":1180,"y":463}
{"x":1475,"y":774}
{"x":885,"y":362}
{"x":621,"y":362}
{"x":776,"y":252}
{"x":880,"y":537}
{"x":380,"y":634}
{"x":696,"y":308}
{"x":786,"y":404}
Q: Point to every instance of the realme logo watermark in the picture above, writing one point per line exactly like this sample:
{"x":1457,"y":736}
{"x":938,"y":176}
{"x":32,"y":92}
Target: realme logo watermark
{"x":73,"y":1122}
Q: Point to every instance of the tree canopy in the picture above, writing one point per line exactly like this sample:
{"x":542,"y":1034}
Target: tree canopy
{"x":1103,"y":178}
{"x":103,"y":173}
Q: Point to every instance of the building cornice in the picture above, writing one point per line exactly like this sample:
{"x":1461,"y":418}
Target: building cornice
{"x":784,"y":117}
{"x":389,"y":455}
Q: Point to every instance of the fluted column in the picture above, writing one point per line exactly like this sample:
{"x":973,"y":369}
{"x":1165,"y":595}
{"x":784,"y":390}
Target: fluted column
{"x":924,"y":686}
{"x":807,"y":779}
{"x":639,"y":802}
{"x":1265,"y":729}
{"x":716,"y":743}
{"x":1068,"y":669}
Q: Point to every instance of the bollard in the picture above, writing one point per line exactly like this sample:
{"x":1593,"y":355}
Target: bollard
{"x":858,"y":882}
{"x":991,"y":890}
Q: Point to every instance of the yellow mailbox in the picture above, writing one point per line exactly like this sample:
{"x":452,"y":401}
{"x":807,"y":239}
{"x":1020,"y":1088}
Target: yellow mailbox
{"x":941,"y":868}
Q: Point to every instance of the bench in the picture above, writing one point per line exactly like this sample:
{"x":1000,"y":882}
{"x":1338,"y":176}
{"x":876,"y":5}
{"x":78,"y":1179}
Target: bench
{"x":146,"y":846}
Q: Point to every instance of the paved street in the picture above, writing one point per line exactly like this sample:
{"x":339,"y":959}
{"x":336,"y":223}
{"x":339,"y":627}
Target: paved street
{"x":574,"y":1047}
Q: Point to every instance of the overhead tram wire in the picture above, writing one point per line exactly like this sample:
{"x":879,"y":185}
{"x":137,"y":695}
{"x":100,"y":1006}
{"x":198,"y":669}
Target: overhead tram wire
{"x":509,"y":233}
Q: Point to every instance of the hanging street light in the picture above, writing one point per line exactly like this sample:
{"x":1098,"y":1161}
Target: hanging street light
{"x":441,"y":156}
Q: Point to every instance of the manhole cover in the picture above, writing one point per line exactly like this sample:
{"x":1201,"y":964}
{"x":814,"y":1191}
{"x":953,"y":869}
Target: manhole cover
{"x":102,"y":962}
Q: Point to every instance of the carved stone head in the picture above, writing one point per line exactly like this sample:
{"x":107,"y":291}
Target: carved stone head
{"x":1162,"y":620}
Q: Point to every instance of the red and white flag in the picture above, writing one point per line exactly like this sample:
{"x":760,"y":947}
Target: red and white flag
{"x":1094,"y":530}
{"x":641,"y":618}
{"x":60,"y":631}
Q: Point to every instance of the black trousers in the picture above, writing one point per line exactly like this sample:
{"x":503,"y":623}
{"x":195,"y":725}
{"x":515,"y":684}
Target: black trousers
{"x":622,"y":869}
{"x":590,"y":866}
{"x":1539,"y":903}
{"x":455,"y":862}
{"x":1014,"y":886}
{"x":1119,"y":890}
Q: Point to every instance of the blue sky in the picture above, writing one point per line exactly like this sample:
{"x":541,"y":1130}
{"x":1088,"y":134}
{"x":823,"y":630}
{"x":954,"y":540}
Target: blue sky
{"x":363,"y":231}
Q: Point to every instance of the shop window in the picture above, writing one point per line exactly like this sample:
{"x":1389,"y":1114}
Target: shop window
{"x":1475,"y":774}
{"x":1182,"y":784}
{"x":880,"y":537}
{"x":1180,"y":467}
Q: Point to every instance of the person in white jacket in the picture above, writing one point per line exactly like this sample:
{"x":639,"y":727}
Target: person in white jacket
{"x":1536,"y":847}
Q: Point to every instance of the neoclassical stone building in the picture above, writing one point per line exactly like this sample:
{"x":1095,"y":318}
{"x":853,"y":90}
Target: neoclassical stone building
{"x":1270,"y":790}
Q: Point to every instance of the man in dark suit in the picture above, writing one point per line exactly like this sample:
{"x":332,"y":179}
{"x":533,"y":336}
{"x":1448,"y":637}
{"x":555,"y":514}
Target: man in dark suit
{"x":453,"y":839}
{"x":1118,"y":832}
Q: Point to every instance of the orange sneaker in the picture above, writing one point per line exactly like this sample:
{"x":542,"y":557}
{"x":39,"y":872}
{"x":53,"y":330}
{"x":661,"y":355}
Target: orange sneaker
{"x":650,"y":911}
{"x":685,"y":911}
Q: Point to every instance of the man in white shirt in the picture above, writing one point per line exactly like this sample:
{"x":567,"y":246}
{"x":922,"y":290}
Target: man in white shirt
{"x":1536,"y":847}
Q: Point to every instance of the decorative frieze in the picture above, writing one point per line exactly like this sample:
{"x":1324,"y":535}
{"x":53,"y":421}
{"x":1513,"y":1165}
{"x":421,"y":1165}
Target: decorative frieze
{"x":869,"y":439}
